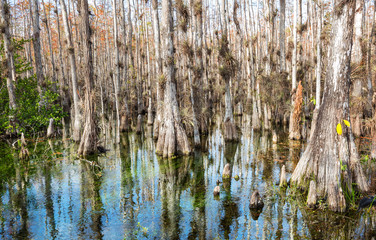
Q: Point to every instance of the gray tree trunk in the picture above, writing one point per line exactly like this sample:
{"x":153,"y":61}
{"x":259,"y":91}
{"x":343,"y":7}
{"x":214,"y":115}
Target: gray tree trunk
{"x":72,"y":60}
{"x":117,"y":71}
{"x":172,"y":138}
{"x":8,"y":49}
{"x":282,"y":35}
{"x":331,"y":159}
{"x":34,"y":13}
{"x":158,"y":67}
{"x":88,"y":144}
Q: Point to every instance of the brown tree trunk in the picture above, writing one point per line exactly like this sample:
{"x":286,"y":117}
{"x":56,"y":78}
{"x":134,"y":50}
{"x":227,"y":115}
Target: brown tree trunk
{"x":172,"y":138}
{"x":295,"y":133}
{"x":88,"y":144}
{"x":331,"y":157}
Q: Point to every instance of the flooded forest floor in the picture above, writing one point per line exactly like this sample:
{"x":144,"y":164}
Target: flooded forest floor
{"x":130,"y":193}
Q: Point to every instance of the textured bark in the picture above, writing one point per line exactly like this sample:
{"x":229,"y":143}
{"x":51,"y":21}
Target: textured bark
{"x":295,"y":121}
{"x":282,"y":35}
{"x":72,"y":62}
{"x":34,"y":12}
{"x":117,"y":71}
{"x":357,"y":59}
{"x":318,"y":66}
{"x":88,"y":144}
{"x":312,"y":197}
{"x":282,"y":178}
{"x":8,"y":50}
{"x":369,"y":58}
{"x":292,"y":127}
{"x":52,"y":55}
{"x":331,"y":159}
{"x":158,"y":67}
{"x":172,"y":138}
{"x":124,"y":125}
{"x":226,"y":70}
{"x":357,"y":54}
{"x":64,"y":95}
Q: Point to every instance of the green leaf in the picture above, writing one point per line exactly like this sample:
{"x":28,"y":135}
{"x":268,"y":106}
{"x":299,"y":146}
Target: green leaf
{"x":347,"y":123}
{"x":339,"y":129}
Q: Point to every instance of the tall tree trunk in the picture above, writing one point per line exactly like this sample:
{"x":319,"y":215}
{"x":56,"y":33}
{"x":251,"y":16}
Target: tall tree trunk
{"x":88,"y":144}
{"x":227,"y":70}
{"x":357,"y":54}
{"x":158,"y":67}
{"x":318,"y":67}
{"x":45,"y":20}
{"x":331,"y":158}
{"x":117,"y":71}
{"x":282,"y":35}
{"x":357,"y":59}
{"x":8,"y":49}
{"x":124,"y":125}
{"x":172,"y":138}
{"x":72,"y":62}
{"x":34,"y":13}
{"x":64,"y":96}
{"x":294,"y":128}
{"x":369,"y":59}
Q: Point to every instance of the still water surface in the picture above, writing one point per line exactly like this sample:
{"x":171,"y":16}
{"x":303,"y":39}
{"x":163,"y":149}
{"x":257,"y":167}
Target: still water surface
{"x":130,"y":193}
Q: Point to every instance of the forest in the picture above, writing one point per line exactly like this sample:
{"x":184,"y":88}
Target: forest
{"x":187,"y":119}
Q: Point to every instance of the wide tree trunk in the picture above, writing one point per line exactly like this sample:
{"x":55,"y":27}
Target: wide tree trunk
{"x":88,"y":144}
{"x":331,"y":158}
{"x":172,"y":138}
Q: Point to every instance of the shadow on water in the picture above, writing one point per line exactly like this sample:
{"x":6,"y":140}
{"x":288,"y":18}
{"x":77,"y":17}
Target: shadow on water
{"x":130,"y":193}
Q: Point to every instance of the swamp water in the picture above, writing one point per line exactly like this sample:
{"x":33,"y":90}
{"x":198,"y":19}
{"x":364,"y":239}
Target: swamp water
{"x":130,"y":193}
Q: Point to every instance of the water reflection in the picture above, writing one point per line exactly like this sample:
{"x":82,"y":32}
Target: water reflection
{"x":130,"y":193}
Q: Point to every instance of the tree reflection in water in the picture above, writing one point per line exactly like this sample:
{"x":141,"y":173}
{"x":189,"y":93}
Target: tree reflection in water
{"x":130,"y":193}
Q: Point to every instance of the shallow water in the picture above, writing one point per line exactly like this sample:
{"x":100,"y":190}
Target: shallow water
{"x":130,"y":193}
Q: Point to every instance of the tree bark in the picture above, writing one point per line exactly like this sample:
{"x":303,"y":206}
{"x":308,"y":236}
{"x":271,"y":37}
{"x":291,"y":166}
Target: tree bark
{"x":282,"y":35}
{"x":88,"y":144}
{"x":294,"y":130}
{"x":34,"y":13}
{"x":8,"y":49}
{"x":172,"y":138}
{"x":72,"y":62}
{"x":331,"y":159}
{"x":227,"y":68}
{"x":52,"y":58}
{"x":117,"y":71}
{"x":124,"y":124}
{"x":158,"y":67}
